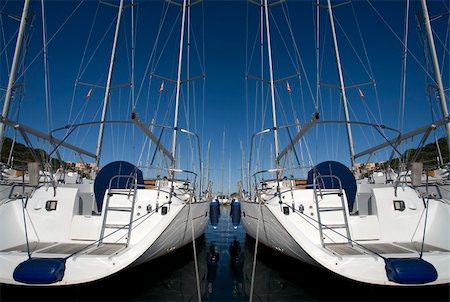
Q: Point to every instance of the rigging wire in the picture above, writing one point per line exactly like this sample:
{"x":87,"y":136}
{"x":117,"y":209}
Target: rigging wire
{"x":6,"y":43}
{"x":194,"y":249}
{"x":4,"y":5}
{"x":252,"y":283}
{"x":81,"y":64}
{"x":297,"y":52}
{"x":52,"y":37}
{"x":447,"y":36}
{"x":369,"y":66}
{"x":24,"y":204}
{"x":400,"y":40}
{"x":153,"y":60}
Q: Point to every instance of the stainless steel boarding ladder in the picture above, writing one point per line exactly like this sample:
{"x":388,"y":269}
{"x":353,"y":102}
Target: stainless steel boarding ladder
{"x":130,"y":194}
{"x":319,"y":191}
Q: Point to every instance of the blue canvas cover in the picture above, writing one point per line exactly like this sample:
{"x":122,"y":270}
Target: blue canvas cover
{"x":335,"y":168}
{"x":112,"y":169}
{"x":410,"y":270}
{"x":40,"y":270}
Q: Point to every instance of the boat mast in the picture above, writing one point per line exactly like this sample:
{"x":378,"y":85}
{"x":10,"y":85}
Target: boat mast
{"x":342,"y":86}
{"x":242,"y":164}
{"x":108,"y":87}
{"x":437,"y":73}
{"x":177,"y":96}
{"x":13,"y":73}
{"x":223,"y":159}
{"x":207,"y":163}
{"x":229,"y":178}
{"x":272,"y":84}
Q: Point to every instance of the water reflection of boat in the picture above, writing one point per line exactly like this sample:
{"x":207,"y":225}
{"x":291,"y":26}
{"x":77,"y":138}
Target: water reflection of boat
{"x":212,"y":261}
{"x":269,"y":284}
{"x":236,"y":266}
{"x":181,"y":283}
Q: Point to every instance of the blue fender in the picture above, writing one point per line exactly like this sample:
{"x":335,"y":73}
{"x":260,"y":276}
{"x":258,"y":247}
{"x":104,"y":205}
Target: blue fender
{"x":235,"y":212}
{"x":214,"y":212}
{"x":40,"y":270}
{"x":410,"y":270}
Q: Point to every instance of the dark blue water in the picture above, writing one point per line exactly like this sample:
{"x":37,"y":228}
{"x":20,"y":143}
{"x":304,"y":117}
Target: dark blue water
{"x":224,"y":277}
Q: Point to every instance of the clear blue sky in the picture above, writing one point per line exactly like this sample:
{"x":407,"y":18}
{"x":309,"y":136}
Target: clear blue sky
{"x":227,"y":52}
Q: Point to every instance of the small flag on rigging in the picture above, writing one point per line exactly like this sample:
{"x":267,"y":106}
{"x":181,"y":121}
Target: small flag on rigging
{"x":361,"y":94}
{"x":161,"y":88}
{"x":288,"y":87}
{"x":88,"y":95}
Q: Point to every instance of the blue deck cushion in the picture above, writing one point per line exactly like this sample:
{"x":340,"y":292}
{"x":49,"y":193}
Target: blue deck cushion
{"x":410,"y":270}
{"x":40,"y":270}
{"x":337,"y":169}
{"x":112,"y":169}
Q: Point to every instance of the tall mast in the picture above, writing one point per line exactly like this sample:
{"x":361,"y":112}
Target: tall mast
{"x":229,"y":177}
{"x":342,"y":86}
{"x":108,"y":86}
{"x":177,"y":96}
{"x":223,"y":157}
{"x":207,"y":163}
{"x":437,"y":73}
{"x":242,"y":164}
{"x":272,"y":84}
{"x":13,"y":73}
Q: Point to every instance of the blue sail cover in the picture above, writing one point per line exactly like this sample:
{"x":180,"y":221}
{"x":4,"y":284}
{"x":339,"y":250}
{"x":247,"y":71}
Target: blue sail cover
{"x":40,"y":270}
{"x":112,"y":169}
{"x":337,"y":169}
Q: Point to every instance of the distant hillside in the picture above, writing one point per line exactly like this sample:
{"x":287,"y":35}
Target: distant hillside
{"x":428,"y":154}
{"x":22,"y":154}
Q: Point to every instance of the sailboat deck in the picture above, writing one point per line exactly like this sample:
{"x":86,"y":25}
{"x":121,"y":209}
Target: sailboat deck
{"x":33,"y":246}
{"x":66,"y":248}
{"x":344,"y":249}
{"x":383,"y":248}
{"x":417,"y":246}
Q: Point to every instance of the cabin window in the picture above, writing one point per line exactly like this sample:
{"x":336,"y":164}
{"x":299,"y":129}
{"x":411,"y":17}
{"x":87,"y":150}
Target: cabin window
{"x":286,"y":210}
{"x":163,"y":210}
{"x":399,"y":205}
{"x":50,"y":205}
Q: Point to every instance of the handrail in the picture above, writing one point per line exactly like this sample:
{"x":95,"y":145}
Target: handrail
{"x":300,"y":134}
{"x":132,"y":177}
{"x":314,"y":121}
{"x":318,"y":177}
{"x":71,"y":127}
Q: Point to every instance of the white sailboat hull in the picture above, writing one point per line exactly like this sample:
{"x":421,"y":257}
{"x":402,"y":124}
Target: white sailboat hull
{"x":62,"y":234}
{"x":387,"y":234}
{"x":271,"y":232}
